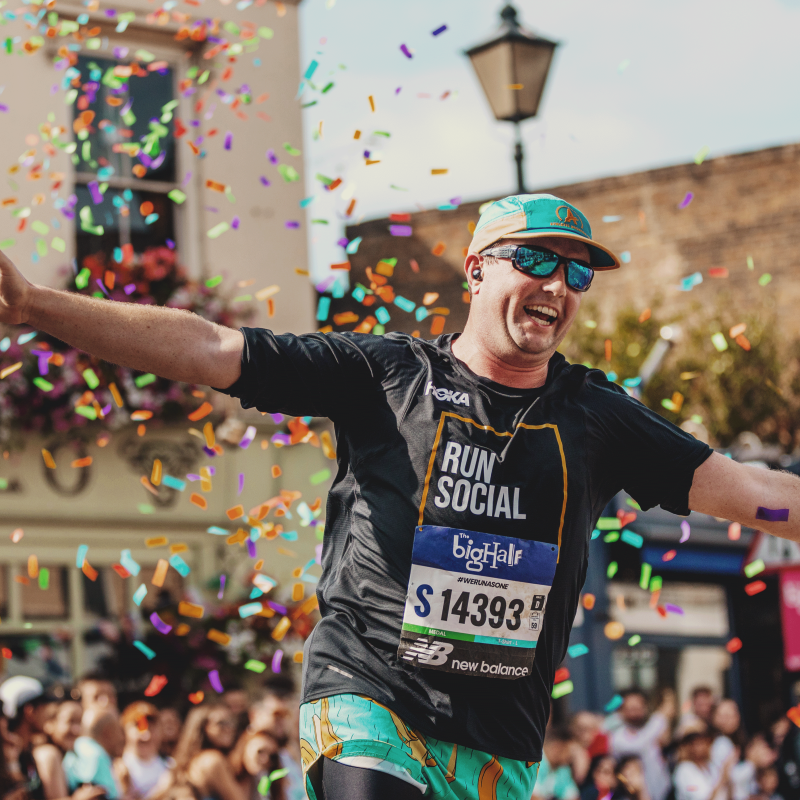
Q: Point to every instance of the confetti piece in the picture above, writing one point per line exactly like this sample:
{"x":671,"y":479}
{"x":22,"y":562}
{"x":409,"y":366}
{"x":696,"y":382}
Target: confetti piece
{"x":644,"y":577}
{"x":235,"y":512}
{"x":276,"y":471}
{"x":216,"y":683}
{"x":773,"y":514}
{"x":249,"y":610}
{"x":439,"y":30}
{"x":405,"y":51}
{"x":754,"y":568}
{"x":438,"y":172}
{"x":589,"y":601}
{"x":613,"y":704}
{"x":44,"y":578}
{"x":48,"y":459}
{"x":611,"y":570}
{"x":219,"y":637}
{"x":700,"y":157}
{"x":160,"y":574}
{"x":16,"y":535}
{"x":140,"y":594}
{"x":319,"y":477}
{"x":371,"y":103}
{"x":198,"y":500}
{"x":577,"y":650}
{"x":4,"y":373}
{"x":178,"y":564}
{"x":669,"y":555}
{"x":228,"y":140}
{"x":83,"y":549}
{"x":127,"y":561}
{"x":143,"y":648}
{"x":633,"y":539}
{"x":764,"y":279}
{"x":614,"y":630}
{"x":673,"y":609}
{"x":33,"y":567}
{"x":734,"y":645}
{"x":686,"y":200}
{"x":159,"y":624}
{"x":217,"y":230}
{"x":755,"y":587}
{"x":193,"y":610}
{"x":157,"y":683}
{"x":562,"y":689}
{"x":195,"y":698}
{"x":281,"y":629}
{"x":719,"y":341}
{"x":734,"y":531}
{"x":686,"y":531}
{"x":221,"y":587}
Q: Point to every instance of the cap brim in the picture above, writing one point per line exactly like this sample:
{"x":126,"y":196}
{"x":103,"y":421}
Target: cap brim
{"x":601,"y":258}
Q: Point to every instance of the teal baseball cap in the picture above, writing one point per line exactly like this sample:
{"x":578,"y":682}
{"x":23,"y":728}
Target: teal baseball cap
{"x":532,"y":216}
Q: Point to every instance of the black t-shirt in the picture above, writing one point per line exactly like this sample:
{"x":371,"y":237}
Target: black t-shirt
{"x":428,"y":449}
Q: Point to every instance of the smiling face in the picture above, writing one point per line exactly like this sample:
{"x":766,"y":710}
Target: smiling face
{"x":65,"y":727}
{"x":522,"y":319}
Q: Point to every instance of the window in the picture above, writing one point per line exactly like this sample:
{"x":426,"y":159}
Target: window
{"x":125,"y":158}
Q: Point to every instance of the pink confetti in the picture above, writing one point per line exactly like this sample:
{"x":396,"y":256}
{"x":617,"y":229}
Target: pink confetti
{"x":221,"y":587}
{"x":685,"y":532}
{"x":686,"y":200}
{"x":216,"y":683}
{"x":159,"y":624}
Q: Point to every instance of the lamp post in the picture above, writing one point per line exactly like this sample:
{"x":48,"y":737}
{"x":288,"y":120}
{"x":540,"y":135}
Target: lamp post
{"x":512,"y":69}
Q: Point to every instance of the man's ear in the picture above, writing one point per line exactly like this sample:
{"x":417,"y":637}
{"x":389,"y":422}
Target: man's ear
{"x":473,"y":267}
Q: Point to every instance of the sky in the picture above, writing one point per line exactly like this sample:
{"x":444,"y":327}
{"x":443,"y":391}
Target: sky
{"x":634,"y":84}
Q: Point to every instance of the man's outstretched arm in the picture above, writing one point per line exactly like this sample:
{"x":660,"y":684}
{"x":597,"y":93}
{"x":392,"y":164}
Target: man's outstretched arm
{"x":172,"y":343}
{"x":723,"y":488}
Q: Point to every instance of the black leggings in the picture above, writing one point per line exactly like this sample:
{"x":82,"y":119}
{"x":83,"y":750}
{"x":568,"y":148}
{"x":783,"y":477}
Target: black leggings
{"x":343,"y":782}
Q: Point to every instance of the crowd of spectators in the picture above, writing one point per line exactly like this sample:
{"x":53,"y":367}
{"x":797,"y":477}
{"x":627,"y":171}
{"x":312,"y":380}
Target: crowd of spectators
{"x":77,"y":743}
{"x":701,"y":754}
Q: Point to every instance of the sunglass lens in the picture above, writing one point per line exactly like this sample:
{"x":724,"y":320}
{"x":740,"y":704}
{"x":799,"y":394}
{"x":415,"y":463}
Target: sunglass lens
{"x":579,"y":277}
{"x":536,"y":262}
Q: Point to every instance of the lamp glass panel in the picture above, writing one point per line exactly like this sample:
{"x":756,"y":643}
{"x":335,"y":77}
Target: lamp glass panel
{"x":493,"y":67}
{"x":531,"y":63}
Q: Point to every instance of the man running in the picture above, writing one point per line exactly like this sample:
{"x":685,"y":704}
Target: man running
{"x":471,"y":472}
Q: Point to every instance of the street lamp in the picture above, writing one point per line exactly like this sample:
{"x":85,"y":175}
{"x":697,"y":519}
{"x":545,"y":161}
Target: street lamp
{"x":512,"y":69}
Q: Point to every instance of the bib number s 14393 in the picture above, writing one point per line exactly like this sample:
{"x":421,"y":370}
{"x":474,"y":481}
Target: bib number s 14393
{"x":475,"y":602}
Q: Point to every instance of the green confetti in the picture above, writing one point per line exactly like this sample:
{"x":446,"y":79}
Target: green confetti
{"x":41,"y":247}
{"x":764,"y":279}
{"x":750,"y":263}
{"x":656,"y":582}
{"x":608,"y":524}
{"x":288,"y":173}
{"x":562,"y":689}
{"x":82,"y":278}
{"x":44,"y":385}
{"x":146,"y":508}
{"x":634,"y":640}
{"x":319,"y":477}
{"x":86,"y":411}
{"x":91,"y":378}
{"x":58,"y":244}
{"x":255,"y":666}
{"x":144,"y":380}
{"x":40,"y":227}
{"x":701,"y":154}
{"x":644,"y":578}
{"x":177,"y":196}
{"x":719,"y":341}
{"x":204,"y":77}
{"x":7,"y":243}
{"x":754,"y":568}
{"x":612,"y":569}
{"x":215,"y":281}
{"x":44,"y":578}
{"x":218,"y":230}
{"x":292,"y":151}
{"x":611,"y":537}
{"x":266,"y":33}
{"x":145,"y":55}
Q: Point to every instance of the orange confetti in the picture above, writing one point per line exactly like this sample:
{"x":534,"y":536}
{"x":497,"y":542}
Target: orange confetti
{"x":588,"y":601}
{"x":81,"y":462}
{"x":669,"y":555}
{"x":48,"y":459}
{"x":89,"y":571}
{"x":562,"y":674}
{"x":276,"y":471}
{"x":156,"y":541}
{"x":718,"y":272}
{"x":208,"y":433}
{"x":155,"y":474}
{"x":219,"y":637}
{"x":199,"y":501}
{"x":734,"y":645}
{"x":4,"y":373}
{"x":371,"y":103}
{"x":734,"y":531}
{"x":736,"y":330}
{"x":298,"y":590}
{"x":281,"y":629}
{"x":160,"y":575}
{"x":203,"y":411}
{"x":742,"y":341}
{"x":141,"y":415}
{"x":755,"y":587}
{"x":645,"y":315}
{"x":437,"y":326}
{"x":607,"y":346}
{"x":112,"y":387}
{"x":33,"y":567}
{"x":235,"y":512}
{"x":439,"y":248}
{"x":196,"y":697}
{"x":190,"y":610}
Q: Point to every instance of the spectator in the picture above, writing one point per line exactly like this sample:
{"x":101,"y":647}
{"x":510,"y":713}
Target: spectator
{"x":641,"y":735}
{"x":700,"y":710}
{"x":171,"y":725}
{"x":255,"y":757}
{"x":97,"y":691}
{"x":630,"y":780}
{"x":767,"y":779}
{"x":601,"y":780}
{"x":141,"y":767}
{"x":91,"y":758}
{"x":200,"y":756}
{"x":757,"y":755}
{"x":555,"y":776}
{"x":696,"y":778}
{"x":62,"y":729}
{"x":587,"y":729}
{"x":237,"y":700}
{"x":726,"y":721}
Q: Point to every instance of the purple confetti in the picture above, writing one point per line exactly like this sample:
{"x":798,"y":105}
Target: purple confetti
{"x":685,"y":531}
{"x":439,"y":30}
{"x":397,"y":90}
{"x":276,"y":661}
{"x":277,"y":607}
{"x":405,"y":51}
{"x":221,"y":587}
{"x":209,"y":452}
{"x":170,"y":244}
{"x":277,"y":418}
{"x":343,"y":242}
{"x":228,"y":140}
{"x":187,"y":179}
{"x":111,"y":12}
{"x":248,"y":437}
{"x":241,"y":482}
{"x":672,"y":609}
{"x":44,"y":360}
{"x":102,"y":286}
{"x":216,"y":683}
{"x":273,"y":159}
{"x":235,"y":223}
{"x":264,"y":181}
{"x":129,"y":288}
{"x":3,"y":107}
{"x":283,"y":438}
{"x":366,"y":154}
{"x":251,"y":548}
{"x":159,"y":624}
{"x":94,"y":189}
{"x":290,"y":223}
{"x":773,"y":514}
{"x":686,"y":200}
{"x":54,"y":88}
{"x":318,"y":553}
{"x":106,"y":409}
{"x":400,"y":230}
{"x":120,"y":52}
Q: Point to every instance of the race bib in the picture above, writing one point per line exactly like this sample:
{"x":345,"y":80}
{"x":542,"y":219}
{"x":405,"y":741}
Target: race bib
{"x":476,"y":602}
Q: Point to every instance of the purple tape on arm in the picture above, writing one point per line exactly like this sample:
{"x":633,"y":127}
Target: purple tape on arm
{"x":773,"y":514}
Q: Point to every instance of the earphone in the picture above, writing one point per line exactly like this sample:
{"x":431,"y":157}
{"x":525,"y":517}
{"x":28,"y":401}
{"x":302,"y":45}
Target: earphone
{"x":477,"y":274}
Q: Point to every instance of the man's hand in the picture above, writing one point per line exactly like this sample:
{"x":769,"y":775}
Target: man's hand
{"x":15,"y":293}
{"x":723,"y":488}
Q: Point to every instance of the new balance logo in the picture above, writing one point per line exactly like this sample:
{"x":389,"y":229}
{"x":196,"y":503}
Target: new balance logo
{"x":449,"y":395}
{"x":429,"y":653}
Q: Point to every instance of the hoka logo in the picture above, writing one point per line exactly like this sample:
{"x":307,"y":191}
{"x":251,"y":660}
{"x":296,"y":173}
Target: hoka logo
{"x":449,"y":395}
{"x":430,"y":653}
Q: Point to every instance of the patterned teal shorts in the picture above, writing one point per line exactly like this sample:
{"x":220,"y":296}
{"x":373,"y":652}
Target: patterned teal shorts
{"x":361,"y":732}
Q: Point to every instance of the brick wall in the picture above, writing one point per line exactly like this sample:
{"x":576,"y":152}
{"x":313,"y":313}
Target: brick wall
{"x":745,"y":204}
